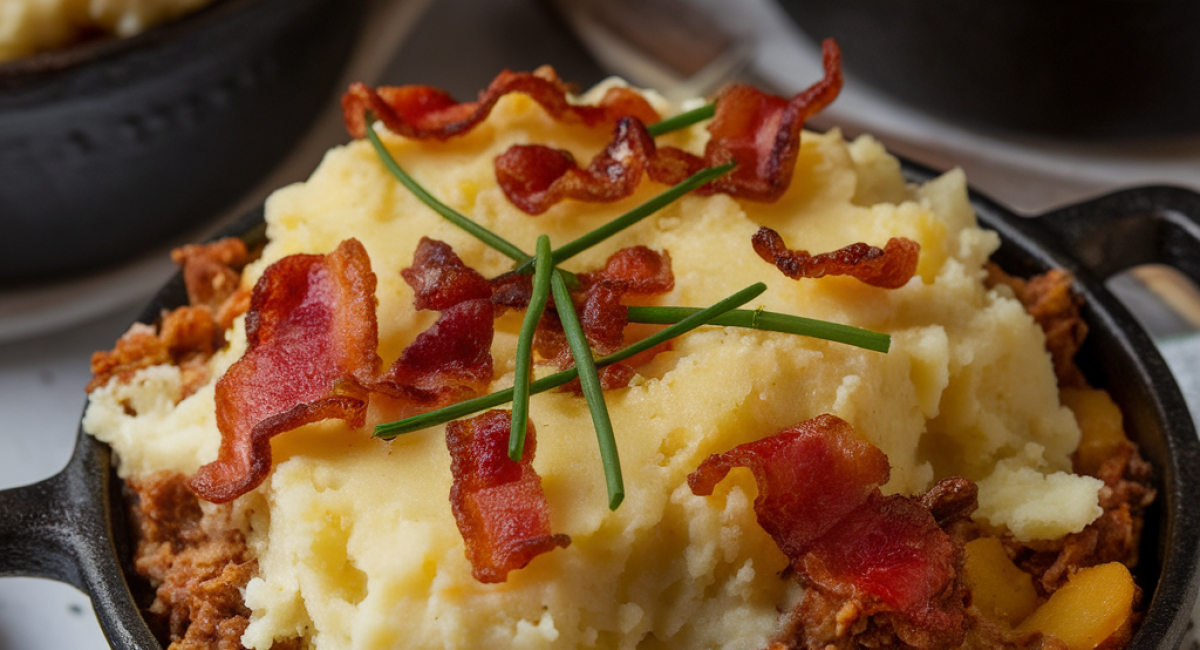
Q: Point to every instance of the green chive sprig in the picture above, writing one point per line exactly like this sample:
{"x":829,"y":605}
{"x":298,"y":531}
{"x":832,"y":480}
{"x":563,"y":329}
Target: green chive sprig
{"x":683,"y":120}
{"x":589,"y":383}
{"x":524,"y":360}
{"x":450,"y":214}
{"x":549,"y":279}
{"x":771,"y":322}
{"x":492,"y":400}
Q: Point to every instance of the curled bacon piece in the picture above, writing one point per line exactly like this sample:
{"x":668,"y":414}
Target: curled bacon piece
{"x":423,"y":112}
{"x":636,"y":269}
{"x":762,"y":132}
{"x":758,"y":131}
{"x":882,"y":557}
{"x":311,"y":336}
{"x":888,"y":268}
{"x":498,"y":504}
{"x":535,"y":177}
{"x":453,"y":358}
{"x":810,"y":477}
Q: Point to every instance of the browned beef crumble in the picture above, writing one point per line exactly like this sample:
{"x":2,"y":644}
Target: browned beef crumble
{"x":187,"y":336}
{"x":196,"y":560}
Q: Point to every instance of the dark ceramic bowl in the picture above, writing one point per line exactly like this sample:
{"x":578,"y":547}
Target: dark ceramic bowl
{"x":1101,"y":69}
{"x":111,"y":147}
{"x":71,"y":527}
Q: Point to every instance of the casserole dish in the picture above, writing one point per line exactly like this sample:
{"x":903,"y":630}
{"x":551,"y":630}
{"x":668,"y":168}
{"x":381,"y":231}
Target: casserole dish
{"x":110,"y":147}
{"x":70,"y":527}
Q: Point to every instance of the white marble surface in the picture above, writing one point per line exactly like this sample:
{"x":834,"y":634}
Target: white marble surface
{"x":42,"y":376}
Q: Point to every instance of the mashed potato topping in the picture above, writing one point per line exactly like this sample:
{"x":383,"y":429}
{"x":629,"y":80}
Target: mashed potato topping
{"x":356,"y":542}
{"x":30,"y":26}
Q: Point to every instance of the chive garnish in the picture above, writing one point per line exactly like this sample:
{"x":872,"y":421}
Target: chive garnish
{"x":465,"y":408}
{"x":573,"y":248}
{"x":589,"y":383}
{"x":548,"y":279}
{"x":683,"y":120}
{"x":524,"y":361}
{"x":772,"y":322}
{"x":450,"y":214}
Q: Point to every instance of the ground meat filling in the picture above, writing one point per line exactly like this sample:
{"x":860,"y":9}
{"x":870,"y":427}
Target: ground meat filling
{"x":187,"y":336}
{"x":196,"y":559}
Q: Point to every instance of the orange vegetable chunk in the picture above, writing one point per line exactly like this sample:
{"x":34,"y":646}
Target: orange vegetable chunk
{"x":1094,"y":606}
{"x":999,"y":589}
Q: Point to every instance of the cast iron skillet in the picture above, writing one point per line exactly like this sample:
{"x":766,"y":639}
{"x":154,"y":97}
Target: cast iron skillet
{"x":111,"y":147}
{"x":71,"y":527}
{"x":1097,"y":70}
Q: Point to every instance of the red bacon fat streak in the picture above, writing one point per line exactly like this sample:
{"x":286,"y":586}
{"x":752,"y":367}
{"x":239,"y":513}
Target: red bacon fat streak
{"x":890,"y":267}
{"x":311,"y":337}
{"x":757,"y":130}
{"x":423,"y":112}
{"x":819,"y":500}
{"x":498,"y":503}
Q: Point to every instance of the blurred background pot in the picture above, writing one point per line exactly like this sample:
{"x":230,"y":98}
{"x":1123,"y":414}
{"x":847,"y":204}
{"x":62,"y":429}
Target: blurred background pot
{"x":1106,"y":69}
{"x":111,"y":147}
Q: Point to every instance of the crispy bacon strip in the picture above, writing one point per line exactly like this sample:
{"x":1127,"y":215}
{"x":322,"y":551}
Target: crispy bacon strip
{"x":422,"y":112}
{"x":451,"y":360}
{"x":311,"y":335}
{"x":498,"y":504}
{"x":819,"y":500}
{"x":891,"y":556}
{"x":888,"y":268}
{"x":761,"y":133}
{"x":758,"y":131}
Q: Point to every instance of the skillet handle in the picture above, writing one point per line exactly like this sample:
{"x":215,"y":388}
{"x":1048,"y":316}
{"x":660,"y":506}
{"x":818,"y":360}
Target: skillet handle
{"x":63,"y":529}
{"x":1145,"y":225}
{"x":37,"y":536}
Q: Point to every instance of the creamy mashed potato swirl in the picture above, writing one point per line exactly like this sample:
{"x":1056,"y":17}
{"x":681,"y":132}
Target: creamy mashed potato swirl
{"x":356,"y":542}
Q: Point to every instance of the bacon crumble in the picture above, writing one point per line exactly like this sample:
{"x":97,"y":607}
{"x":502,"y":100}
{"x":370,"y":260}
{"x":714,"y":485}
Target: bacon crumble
{"x":498,"y":503}
{"x":888,"y":268}
{"x":452,"y":360}
{"x":636,"y":270}
{"x":212,"y":272}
